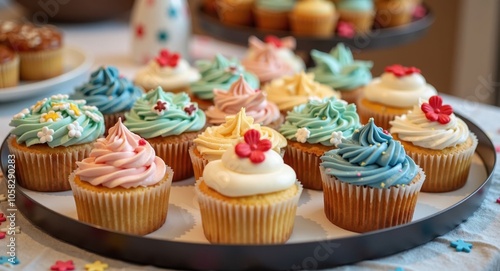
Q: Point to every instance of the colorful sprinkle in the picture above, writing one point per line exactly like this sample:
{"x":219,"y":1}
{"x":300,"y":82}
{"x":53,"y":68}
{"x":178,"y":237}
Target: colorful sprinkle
{"x":142,"y":142}
{"x":96,"y":266}
{"x":63,"y":266}
{"x":190,"y":109}
{"x":461,"y":245}
{"x":358,"y":174}
{"x":160,"y":107}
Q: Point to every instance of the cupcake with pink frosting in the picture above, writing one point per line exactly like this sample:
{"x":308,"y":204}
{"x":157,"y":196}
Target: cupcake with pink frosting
{"x":122,"y":186}
{"x":241,"y":94}
{"x":266,"y":61}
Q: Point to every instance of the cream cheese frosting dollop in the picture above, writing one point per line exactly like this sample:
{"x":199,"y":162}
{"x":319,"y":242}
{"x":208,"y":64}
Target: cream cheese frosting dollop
{"x":398,"y":91}
{"x":121,"y":159}
{"x":414,"y":127}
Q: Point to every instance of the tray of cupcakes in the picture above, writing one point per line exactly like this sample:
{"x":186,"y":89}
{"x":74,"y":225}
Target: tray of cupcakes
{"x":318,"y":24}
{"x":271,"y":169}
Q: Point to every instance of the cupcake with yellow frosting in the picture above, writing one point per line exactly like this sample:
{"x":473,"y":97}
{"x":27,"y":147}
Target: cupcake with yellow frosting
{"x":249,"y":196}
{"x":313,"y":18}
{"x":169,"y":71}
{"x":290,"y":91}
{"x":122,"y":186}
{"x":438,"y":141}
{"x":312,"y":129}
{"x":211,"y":144}
{"x":49,"y":138}
{"x":369,"y":182}
{"x":392,"y":94}
{"x":169,"y":122}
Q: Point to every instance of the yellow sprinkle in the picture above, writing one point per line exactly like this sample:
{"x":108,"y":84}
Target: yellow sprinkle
{"x":382,"y":185}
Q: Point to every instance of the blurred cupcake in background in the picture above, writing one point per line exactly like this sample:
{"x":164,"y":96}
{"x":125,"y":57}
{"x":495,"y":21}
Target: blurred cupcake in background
{"x":360,"y":13}
{"x":313,"y":18}
{"x":393,"y":13}
{"x":235,"y":12}
{"x":9,"y":67}
{"x":273,"y":14}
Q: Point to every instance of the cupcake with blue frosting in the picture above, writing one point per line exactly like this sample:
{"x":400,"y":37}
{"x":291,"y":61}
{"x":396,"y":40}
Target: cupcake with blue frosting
{"x":111,"y":93}
{"x":369,"y":182}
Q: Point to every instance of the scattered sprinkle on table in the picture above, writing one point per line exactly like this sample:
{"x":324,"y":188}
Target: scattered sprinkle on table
{"x":96,"y":266}
{"x":461,"y":245}
{"x":63,"y":266}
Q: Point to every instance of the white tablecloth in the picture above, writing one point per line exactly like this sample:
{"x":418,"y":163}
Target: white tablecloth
{"x":108,"y":43}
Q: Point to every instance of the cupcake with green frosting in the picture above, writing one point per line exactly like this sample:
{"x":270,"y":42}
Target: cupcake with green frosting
{"x":273,"y":14}
{"x":219,"y":73}
{"x":112,"y":94}
{"x":359,"y":13}
{"x":312,"y":129}
{"x":369,"y":182}
{"x":49,"y":138}
{"x":340,"y":71}
{"x":169,"y":122}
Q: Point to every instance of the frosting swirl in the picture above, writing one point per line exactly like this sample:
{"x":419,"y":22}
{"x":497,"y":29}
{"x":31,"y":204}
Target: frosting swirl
{"x":241,"y":94}
{"x":219,"y":74}
{"x":169,"y":78}
{"x":370,"y":158}
{"x":159,"y":113}
{"x":121,"y":159}
{"x":283,"y":47}
{"x":58,"y":121}
{"x":215,"y":140}
{"x":414,"y":127}
{"x":290,"y":91}
{"x":339,"y":70}
{"x":321,"y":119}
{"x":109,"y":92}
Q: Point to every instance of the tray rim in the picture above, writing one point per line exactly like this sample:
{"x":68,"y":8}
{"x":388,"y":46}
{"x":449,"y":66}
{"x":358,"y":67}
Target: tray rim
{"x":310,"y":255}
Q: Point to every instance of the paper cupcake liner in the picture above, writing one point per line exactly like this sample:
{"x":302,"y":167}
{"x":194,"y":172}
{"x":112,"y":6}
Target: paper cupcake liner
{"x":9,"y":73}
{"x":46,"y":170}
{"x":263,"y":223}
{"x":268,"y":20}
{"x":381,"y":118}
{"x":394,"y":13}
{"x":305,"y":165}
{"x":445,"y":172}
{"x":198,"y":162}
{"x":235,"y":12}
{"x":362,"y":21}
{"x":41,"y":65}
{"x":362,"y":209}
{"x":111,"y":119}
{"x":176,"y":156}
{"x":136,"y":210}
{"x":313,"y":26}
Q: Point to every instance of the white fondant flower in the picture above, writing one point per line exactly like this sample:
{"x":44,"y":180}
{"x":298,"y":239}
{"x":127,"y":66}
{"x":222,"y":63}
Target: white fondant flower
{"x":302,"y":135}
{"x":73,"y":110}
{"x":22,"y":114}
{"x":45,"y":135}
{"x":79,"y":101}
{"x":336,"y":138}
{"x":160,"y":107}
{"x":89,"y":108}
{"x":36,"y":108}
{"x":93,"y":116}
{"x":60,"y":106}
{"x":59,"y":97}
{"x":51,"y":116}
{"x":75,"y":130}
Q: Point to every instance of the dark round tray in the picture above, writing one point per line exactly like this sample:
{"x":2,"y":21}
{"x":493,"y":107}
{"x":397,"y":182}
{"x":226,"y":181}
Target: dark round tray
{"x":377,"y":38}
{"x":307,"y":255}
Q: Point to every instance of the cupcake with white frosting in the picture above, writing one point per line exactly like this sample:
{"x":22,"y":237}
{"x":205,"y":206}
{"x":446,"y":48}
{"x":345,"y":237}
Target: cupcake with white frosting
{"x":251,"y":191}
{"x":439,"y":142}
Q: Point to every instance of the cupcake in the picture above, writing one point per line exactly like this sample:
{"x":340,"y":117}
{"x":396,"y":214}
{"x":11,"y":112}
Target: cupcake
{"x":313,"y":18}
{"x":211,"y":144}
{"x":359,"y":13}
{"x":284,"y":50}
{"x":272,"y":14}
{"x":9,"y":67}
{"x":49,"y":138}
{"x":235,"y":12}
{"x":439,"y":142}
{"x":265,"y":62}
{"x":112,"y":94}
{"x":209,"y":6}
{"x":219,"y":73}
{"x":7,"y":27}
{"x":369,"y":183}
{"x":169,"y":122}
{"x":122,"y":186}
{"x":249,"y":196}
{"x":392,"y":94}
{"x":169,"y":71}
{"x":391,"y":13}
{"x":242,"y":95}
{"x":40,"y":50}
{"x":313,"y":128}
{"x":290,"y":91}
{"x":340,"y":71}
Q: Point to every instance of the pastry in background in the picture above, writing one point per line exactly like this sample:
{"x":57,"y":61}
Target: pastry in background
{"x":110,"y":92}
{"x":169,"y":71}
{"x":249,"y":196}
{"x":340,"y":71}
{"x":392,"y":94}
{"x":273,"y":14}
{"x":9,"y":67}
{"x":313,"y":18}
{"x":392,"y":13}
{"x":122,"y":186}
{"x":49,"y":138}
{"x":235,"y":12}
{"x":438,"y":141}
{"x":360,"y":13}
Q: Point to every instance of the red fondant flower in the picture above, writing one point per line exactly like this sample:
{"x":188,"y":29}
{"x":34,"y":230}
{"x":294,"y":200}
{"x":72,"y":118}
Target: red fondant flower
{"x":167,"y":58}
{"x":436,"y":111}
{"x":254,"y":147}
{"x":400,"y":70}
{"x":345,"y":30}
{"x":274,"y":41}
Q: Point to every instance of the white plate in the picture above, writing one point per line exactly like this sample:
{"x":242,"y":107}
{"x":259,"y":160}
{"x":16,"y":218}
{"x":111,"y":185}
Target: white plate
{"x":76,"y":65}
